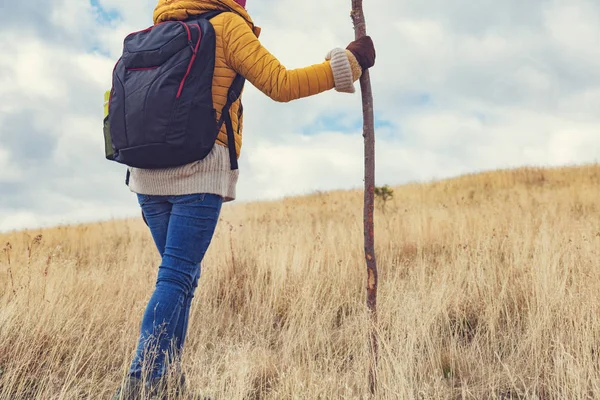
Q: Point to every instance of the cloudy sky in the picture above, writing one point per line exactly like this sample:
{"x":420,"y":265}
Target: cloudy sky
{"x":460,"y":86}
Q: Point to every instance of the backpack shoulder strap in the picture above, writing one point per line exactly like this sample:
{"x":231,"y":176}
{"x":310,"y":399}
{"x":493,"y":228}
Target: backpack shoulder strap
{"x":234,"y":93}
{"x":235,"y":90}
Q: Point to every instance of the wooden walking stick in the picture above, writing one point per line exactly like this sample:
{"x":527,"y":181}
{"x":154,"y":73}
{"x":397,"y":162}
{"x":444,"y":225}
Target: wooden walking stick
{"x":360,"y":30}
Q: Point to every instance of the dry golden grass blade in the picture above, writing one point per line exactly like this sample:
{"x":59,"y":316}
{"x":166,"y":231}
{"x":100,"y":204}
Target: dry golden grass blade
{"x":490,"y":290}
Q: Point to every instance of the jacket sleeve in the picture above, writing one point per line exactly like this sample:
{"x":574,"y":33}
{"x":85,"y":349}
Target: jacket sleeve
{"x":245,"y":54}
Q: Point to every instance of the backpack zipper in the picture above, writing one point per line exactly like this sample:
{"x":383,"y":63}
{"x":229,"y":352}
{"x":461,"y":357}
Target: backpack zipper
{"x":191,"y":44}
{"x":195,"y":51}
{"x":189,"y":33}
{"x":187,"y":29}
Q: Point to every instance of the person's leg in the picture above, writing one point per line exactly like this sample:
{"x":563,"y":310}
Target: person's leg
{"x":157,"y":212}
{"x":213,"y":204}
{"x":182,"y":324}
{"x":157,"y":218}
{"x":191,"y":226}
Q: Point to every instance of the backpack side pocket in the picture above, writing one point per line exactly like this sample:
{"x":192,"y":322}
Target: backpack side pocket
{"x":108,"y":147}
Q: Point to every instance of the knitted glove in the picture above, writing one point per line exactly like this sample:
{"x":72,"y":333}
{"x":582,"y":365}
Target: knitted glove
{"x":364,"y":51}
{"x":346,"y":69}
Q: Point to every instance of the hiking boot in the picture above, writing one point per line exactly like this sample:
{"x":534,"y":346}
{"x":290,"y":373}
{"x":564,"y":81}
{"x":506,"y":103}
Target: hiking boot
{"x":162,"y":388}
{"x":131,"y":389}
{"x":157,"y":389}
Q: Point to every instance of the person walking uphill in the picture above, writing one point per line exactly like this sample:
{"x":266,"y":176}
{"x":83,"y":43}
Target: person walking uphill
{"x":181,"y":201}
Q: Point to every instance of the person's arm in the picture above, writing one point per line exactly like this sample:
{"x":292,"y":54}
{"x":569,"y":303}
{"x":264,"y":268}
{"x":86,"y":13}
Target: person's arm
{"x":245,"y":54}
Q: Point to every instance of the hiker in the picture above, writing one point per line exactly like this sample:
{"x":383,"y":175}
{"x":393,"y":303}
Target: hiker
{"x":181,"y":205}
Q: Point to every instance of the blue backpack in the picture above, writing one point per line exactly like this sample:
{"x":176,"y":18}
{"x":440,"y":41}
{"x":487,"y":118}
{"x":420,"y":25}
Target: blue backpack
{"x":160,"y":109}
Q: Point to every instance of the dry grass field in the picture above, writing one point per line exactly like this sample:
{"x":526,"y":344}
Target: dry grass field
{"x":489,"y":289}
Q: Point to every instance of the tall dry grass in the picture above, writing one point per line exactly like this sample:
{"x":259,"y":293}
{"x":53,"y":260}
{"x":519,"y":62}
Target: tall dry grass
{"x":490,"y":289}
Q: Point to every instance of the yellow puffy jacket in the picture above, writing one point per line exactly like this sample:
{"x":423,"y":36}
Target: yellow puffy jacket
{"x":239,"y":51}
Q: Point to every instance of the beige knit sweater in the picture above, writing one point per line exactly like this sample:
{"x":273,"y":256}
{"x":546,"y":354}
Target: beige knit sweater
{"x":213,"y":174}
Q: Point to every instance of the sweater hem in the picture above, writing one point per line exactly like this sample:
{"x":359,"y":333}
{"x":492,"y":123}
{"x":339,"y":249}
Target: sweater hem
{"x":211,"y":175}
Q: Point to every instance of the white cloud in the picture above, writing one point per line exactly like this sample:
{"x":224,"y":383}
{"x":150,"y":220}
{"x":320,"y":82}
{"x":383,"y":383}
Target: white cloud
{"x":19,"y":220}
{"x":461,"y":86}
{"x":575,"y":29}
{"x":8,"y":173}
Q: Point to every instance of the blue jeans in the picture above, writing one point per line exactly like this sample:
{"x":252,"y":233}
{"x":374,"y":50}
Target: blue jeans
{"x":182,"y":228}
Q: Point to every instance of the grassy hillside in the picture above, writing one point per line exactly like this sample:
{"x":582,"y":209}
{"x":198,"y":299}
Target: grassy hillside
{"x":490,"y":288}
